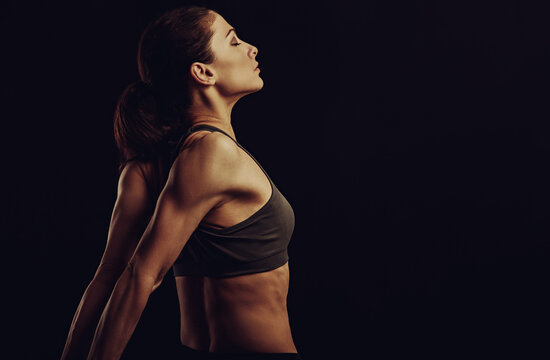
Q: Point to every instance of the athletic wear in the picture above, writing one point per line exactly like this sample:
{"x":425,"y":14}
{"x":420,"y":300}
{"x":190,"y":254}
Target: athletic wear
{"x":254,"y":356}
{"x":192,"y":354}
{"x":187,"y":353}
{"x":254,"y":245}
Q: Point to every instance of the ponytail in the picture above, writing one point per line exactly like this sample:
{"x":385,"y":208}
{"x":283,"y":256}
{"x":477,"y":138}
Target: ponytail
{"x":140,"y":131}
{"x":148,"y":120}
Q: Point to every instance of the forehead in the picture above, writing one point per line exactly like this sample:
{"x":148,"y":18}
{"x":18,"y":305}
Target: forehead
{"x":220,"y":27}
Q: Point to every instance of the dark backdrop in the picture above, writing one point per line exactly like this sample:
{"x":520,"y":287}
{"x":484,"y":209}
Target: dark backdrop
{"x":410,"y":137}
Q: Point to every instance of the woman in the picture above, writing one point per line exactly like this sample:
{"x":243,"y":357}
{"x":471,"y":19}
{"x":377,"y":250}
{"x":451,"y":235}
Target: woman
{"x":219,"y":221}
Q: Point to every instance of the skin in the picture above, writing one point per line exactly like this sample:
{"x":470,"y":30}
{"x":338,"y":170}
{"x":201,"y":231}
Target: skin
{"x":240,"y":314}
{"x":131,"y":213}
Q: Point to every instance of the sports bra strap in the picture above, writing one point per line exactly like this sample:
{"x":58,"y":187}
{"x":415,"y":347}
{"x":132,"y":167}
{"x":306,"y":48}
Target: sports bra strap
{"x":213,"y":128}
{"x":192,"y":129}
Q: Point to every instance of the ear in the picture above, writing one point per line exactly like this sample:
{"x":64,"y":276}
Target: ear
{"x":203,"y":73}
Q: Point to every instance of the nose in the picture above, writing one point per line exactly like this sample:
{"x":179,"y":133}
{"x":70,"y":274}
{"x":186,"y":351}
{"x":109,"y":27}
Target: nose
{"x":253,"y":51}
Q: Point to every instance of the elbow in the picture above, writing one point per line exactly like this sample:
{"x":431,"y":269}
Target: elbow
{"x":108,"y":273}
{"x":143,"y":277}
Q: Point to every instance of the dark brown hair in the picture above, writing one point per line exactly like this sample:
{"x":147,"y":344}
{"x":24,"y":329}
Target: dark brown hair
{"x":151,"y":113}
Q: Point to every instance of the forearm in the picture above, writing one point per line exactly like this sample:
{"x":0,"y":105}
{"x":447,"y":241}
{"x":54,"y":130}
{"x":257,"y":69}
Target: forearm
{"x":120,"y":316}
{"x":86,"y":317}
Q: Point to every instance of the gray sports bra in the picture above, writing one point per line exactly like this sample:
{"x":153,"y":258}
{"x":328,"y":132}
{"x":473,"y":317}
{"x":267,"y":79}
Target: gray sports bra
{"x":256,"y":244}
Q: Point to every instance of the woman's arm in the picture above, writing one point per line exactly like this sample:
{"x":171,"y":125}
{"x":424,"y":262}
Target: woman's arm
{"x":131,"y":212}
{"x":199,"y":180}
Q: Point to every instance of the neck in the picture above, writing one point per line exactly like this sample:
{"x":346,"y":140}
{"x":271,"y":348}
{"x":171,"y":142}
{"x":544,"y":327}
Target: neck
{"x":211,"y":110}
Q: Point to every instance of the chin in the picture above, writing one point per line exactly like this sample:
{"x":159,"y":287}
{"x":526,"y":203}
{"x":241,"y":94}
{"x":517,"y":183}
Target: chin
{"x":252,"y":89}
{"x":261,"y":85}
{"x":257,"y":88}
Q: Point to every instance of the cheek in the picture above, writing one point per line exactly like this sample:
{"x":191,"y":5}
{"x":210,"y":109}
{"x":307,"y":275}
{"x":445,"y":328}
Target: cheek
{"x":232,"y":81}
{"x":237,"y":72}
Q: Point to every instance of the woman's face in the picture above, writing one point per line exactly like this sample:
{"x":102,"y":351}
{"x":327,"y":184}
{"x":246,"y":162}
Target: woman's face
{"x":235,"y":65}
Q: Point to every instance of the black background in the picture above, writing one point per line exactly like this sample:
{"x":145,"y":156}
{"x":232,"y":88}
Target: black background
{"x":410,"y":137}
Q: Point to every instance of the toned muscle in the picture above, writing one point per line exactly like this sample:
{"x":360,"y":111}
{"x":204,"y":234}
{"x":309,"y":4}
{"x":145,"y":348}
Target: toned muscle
{"x":252,"y":192}
{"x":193,"y":188}
{"x":131,"y":212}
{"x":242,"y":313}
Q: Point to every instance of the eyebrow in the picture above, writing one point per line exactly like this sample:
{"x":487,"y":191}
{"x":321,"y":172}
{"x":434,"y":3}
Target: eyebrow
{"x":230,"y":32}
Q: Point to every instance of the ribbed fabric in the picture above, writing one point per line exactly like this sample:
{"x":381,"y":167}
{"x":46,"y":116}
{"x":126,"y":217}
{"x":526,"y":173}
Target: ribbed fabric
{"x":188,"y":353}
{"x":256,"y":244}
{"x":254,"y":356}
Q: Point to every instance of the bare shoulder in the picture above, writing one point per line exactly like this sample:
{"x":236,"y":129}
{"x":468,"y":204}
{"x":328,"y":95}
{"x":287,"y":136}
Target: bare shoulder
{"x":213,"y":145}
{"x":211,"y":153}
{"x":133,"y":175}
{"x":208,"y":167}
